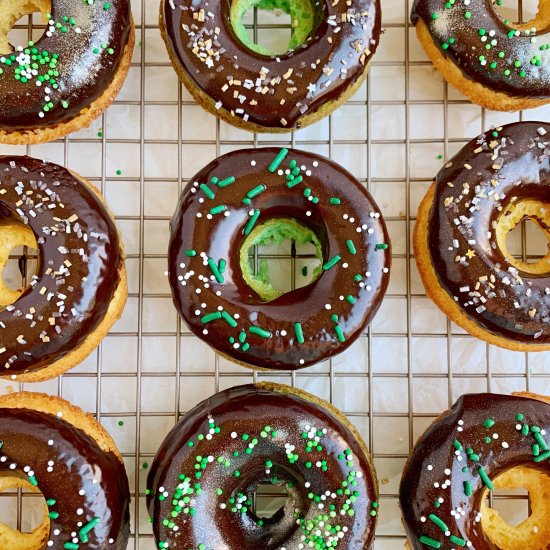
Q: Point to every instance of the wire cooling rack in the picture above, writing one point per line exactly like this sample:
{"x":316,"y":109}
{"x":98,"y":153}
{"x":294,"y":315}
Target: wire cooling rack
{"x":409,"y":366}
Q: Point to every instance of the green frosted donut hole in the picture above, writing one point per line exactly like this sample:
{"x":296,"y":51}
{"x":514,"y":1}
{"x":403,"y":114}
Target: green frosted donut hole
{"x":270,"y":233}
{"x":302,"y":14}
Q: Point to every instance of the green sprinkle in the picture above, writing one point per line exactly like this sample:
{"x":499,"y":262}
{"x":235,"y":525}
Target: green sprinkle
{"x":536,"y":449}
{"x":339,"y":333}
{"x":299,"y":333}
{"x":457,"y":540}
{"x":434,"y":16}
{"x":251,"y":222}
{"x":350,"y":299}
{"x":121,"y":423}
{"x":190,"y":253}
{"x":542,"y":456}
{"x":540,"y":441}
{"x":278,"y":159}
{"x":334,"y":200}
{"x":489,"y":423}
{"x":428,"y":541}
{"x":256,"y":191}
{"x":468,"y":15}
{"x":260,"y":331}
{"x":229,"y":319}
{"x":227,"y":181}
{"x":106,"y":6}
{"x":525,"y":430}
{"x":100,"y":134}
{"x":217,"y":209}
{"x":118,"y":172}
{"x":211,"y":317}
{"x":207,"y":191}
{"x":51,"y":502}
{"x":439,"y":522}
{"x":70,"y":546}
{"x":467,"y":488}
{"x":485,"y":478}
{"x":458,"y":446}
{"x":83,"y":533}
{"x":221,"y":265}
{"x":381,"y":246}
{"x":351,"y":247}
{"x":214,"y":267}
{"x":332,"y":262}
{"x":53,"y":515}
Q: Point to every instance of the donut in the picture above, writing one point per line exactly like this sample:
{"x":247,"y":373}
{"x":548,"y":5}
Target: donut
{"x":460,"y":239}
{"x":51,"y":447}
{"x":61,"y":83}
{"x":262,"y":197}
{"x":253,"y":88}
{"x":493,"y":62}
{"x":80,"y":287}
{"x":484,"y":442}
{"x":201,"y":485}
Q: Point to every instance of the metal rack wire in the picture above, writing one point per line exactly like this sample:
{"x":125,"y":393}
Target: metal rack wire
{"x":379,"y":396}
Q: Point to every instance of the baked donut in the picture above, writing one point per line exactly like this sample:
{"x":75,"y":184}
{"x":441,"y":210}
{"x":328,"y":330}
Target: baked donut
{"x":485,"y":441}
{"x":80,"y":287}
{"x":52,"y":447}
{"x":494,"y":63}
{"x":494,"y":183}
{"x":261,"y":197}
{"x":200,"y":487}
{"x":59,"y":84}
{"x":250,"y":87}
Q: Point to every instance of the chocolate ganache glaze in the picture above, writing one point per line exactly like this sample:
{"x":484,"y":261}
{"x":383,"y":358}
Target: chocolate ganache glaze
{"x":486,"y":48}
{"x":243,"y":190}
{"x":454,"y":461}
{"x":79,"y":261}
{"x":497,"y":171}
{"x":51,"y":81}
{"x":79,"y":481}
{"x":201,"y":483}
{"x":276,"y":91}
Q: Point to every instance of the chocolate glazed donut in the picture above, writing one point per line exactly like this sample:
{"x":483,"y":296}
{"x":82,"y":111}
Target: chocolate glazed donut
{"x":495,"y":63}
{"x":48,"y":445}
{"x":457,"y":460}
{"x":249,"y":191}
{"x":80,"y":287}
{"x":200,"y":486}
{"x":263,"y":92}
{"x":494,"y":183}
{"x":65,"y":79}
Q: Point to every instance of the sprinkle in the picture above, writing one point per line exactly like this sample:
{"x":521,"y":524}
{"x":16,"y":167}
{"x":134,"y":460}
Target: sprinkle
{"x":207,"y":191}
{"x":256,"y":191}
{"x":542,"y":456}
{"x":70,"y":546}
{"x":229,"y":320}
{"x":190,"y":253}
{"x":457,"y":540}
{"x":260,"y":332}
{"x":439,"y":522}
{"x":428,"y":541}
{"x":332,"y":262}
{"x":251,"y":222}
{"x":489,"y":423}
{"x":214,"y":267}
{"x":485,"y":478}
{"x":227,"y":181}
{"x":277,"y":160}
{"x":217,"y":209}
{"x":83,"y":533}
{"x":458,"y":446}
{"x":339,"y":333}
{"x":381,"y":246}
{"x":211,"y":317}
{"x":467,"y":488}
{"x":334,"y":200}
{"x":299,"y":333}
{"x":351,"y":247}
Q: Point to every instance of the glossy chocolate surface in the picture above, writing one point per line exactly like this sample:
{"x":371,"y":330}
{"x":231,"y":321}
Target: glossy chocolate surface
{"x":88,"y":56}
{"x":363,"y":275}
{"x":487,"y":50}
{"x":79,"y":259}
{"x":64,"y":461}
{"x":499,"y":168}
{"x":444,"y":450}
{"x":234,"y":420}
{"x":276,"y":91}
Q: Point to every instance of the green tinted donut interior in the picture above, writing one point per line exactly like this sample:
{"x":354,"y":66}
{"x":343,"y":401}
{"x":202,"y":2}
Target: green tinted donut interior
{"x":303,"y":16}
{"x":274,"y":232}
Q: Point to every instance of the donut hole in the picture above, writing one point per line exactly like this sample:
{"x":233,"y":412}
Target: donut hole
{"x":19,"y":259}
{"x":523,"y":15}
{"x":22,"y":22}
{"x":279,"y":256}
{"x":268,"y":500}
{"x":517,"y":514}
{"x":275,"y":27}
{"x":24,"y":522}
{"x":523,"y":236}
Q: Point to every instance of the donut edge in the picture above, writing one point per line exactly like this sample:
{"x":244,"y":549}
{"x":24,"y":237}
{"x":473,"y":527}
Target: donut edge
{"x":439,"y":295}
{"x":113,"y":314}
{"x":475,"y":92}
{"x":208,"y":104}
{"x":87,"y":115}
{"x":72,"y":414}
